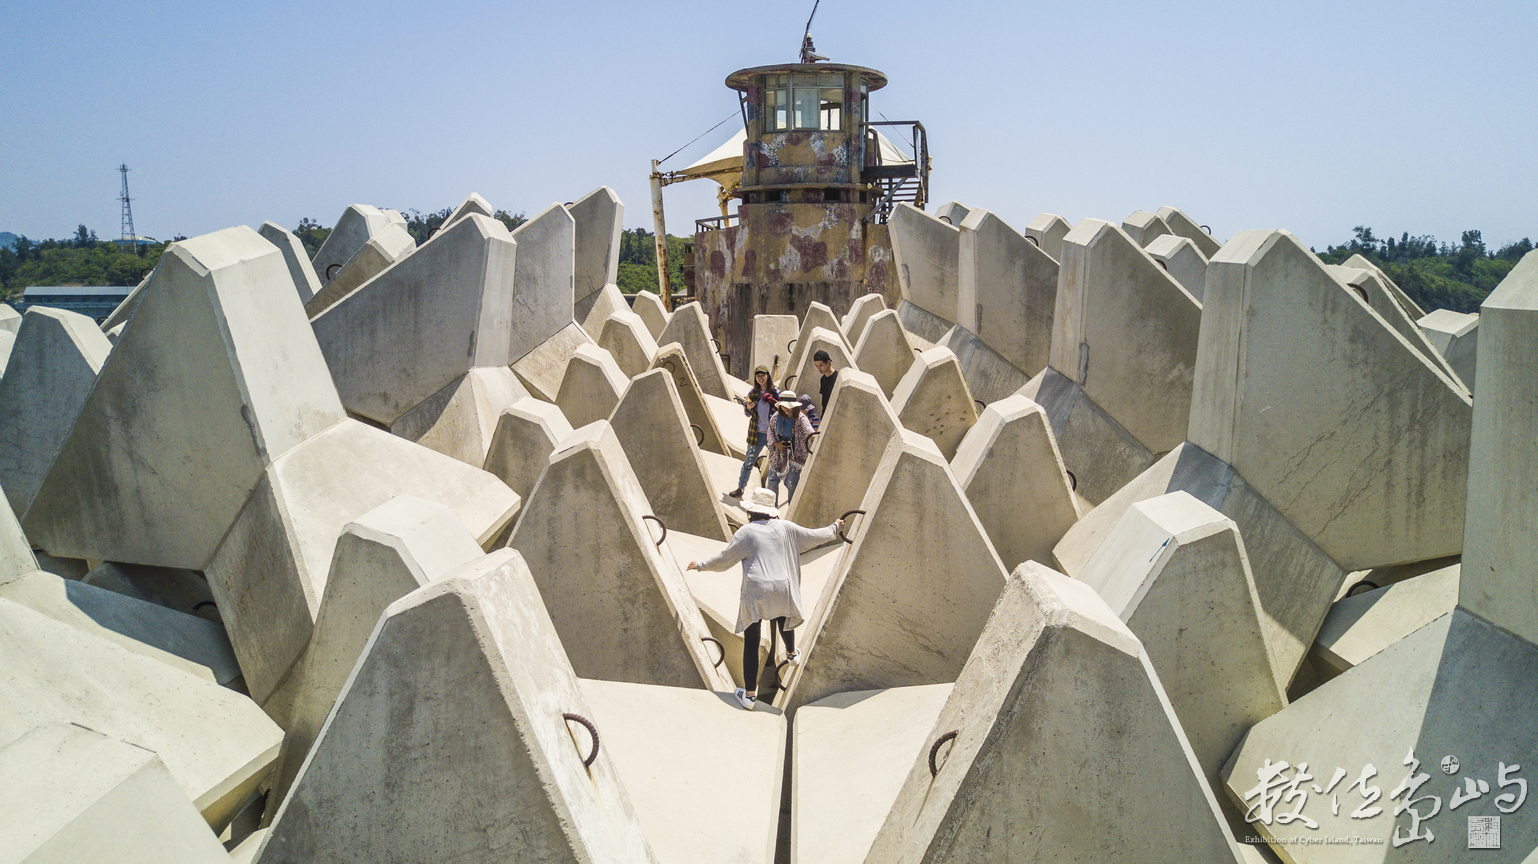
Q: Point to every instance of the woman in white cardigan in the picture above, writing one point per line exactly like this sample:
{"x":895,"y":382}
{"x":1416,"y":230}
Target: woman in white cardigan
{"x":770,"y":551}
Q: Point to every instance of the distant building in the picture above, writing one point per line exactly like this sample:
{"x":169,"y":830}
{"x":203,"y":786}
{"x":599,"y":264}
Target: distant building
{"x":95,"y":301}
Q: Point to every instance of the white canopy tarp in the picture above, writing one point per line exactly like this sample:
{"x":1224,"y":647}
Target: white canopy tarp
{"x":728,"y":158}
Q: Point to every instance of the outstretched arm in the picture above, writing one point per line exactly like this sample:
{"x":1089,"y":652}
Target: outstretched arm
{"x":806,"y":538}
{"x":740,"y":547}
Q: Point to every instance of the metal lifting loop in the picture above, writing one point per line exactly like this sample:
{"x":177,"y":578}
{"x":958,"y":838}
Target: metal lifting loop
{"x":1206,"y":228}
{"x":1073,"y":481}
{"x":331,"y":271}
{"x":981,"y":405}
{"x":1371,"y":586}
{"x":1034,"y":241}
{"x":790,"y":346}
{"x":722,"y":658}
{"x":591,"y":730}
{"x":846,"y":516}
{"x":809,"y":439}
{"x":934,"y":770}
{"x":699,"y":434}
{"x":664,"y":525}
{"x":779,"y":683}
{"x":787,"y":381}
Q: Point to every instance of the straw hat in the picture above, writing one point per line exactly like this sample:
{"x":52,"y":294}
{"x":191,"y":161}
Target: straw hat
{"x":789,"y":398}
{"x":762,"y":501}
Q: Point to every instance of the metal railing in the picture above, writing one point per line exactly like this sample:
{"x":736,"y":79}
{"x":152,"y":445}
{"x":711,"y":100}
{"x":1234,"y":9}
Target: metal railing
{"x":715,"y":223}
{"x":903,"y":181}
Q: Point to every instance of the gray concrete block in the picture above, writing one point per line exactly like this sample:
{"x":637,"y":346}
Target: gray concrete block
{"x":217,"y":743}
{"x":691,"y":331}
{"x":16,"y":555}
{"x":1295,"y":579}
{"x":883,"y":350}
{"x":675,"y":780}
{"x":1007,"y":291}
{"x":383,"y":555}
{"x":860,"y":311}
{"x":933,"y":400}
{"x":925,"y":330}
{"x":10,"y":319}
{"x":542,"y":369}
{"x":124,"y":309}
{"x":905,"y":606}
{"x":1373,"y":289}
{"x":594,"y":309}
{"x":390,"y":244}
{"x":473,"y":203}
{"x":1183,"y":226}
{"x":653,"y":429}
{"x":952,"y":212}
{"x":851,"y":441}
{"x":622,"y":608}
{"x":306,"y":283}
{"x":415,"y":328}
{"x":1359,"y":626}
{"x":1144,"y":227}
{"x":625,"y":337}
{"x":648,"y":305}
{"x":527,"y":433}
{"x":1099,"y":455}
{"x":1175,"y":571}
{"x":989,"y":376}
{"x":1500,"y":564}
{"x":1411,"y":308}
{"x":460,"y":420}
{"x":218,"y":376}
{"x":599,"y":218}
{"x":351,"y":233}
{"x":774,"y":339}
{"x":1126,"y":332}
{"x":7,"y":342}
{"x":388,"y":775}
{"x":544,"y":278}
{"x":1009,"y":466}
{"x":183,"y":590}
{"x":591,"y":387}
{"x":1182,"y":259}
{"x":671,"y":357}
{"x":73,"y":794}
{"x":194,"y":645}
{"x":844,"y":776}
{"x":1456,"y":337}
{"x":1048,"y":230}
{"x":927,"y":254}
{"x":1328,"y":412}
{"x":53,"y":367}
{"x":1458,"y":687}
{"x":269,"y":574}
{"x":1060,"y":723}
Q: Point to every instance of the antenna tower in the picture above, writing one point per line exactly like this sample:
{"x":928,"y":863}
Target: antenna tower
{"x":130,"y":240}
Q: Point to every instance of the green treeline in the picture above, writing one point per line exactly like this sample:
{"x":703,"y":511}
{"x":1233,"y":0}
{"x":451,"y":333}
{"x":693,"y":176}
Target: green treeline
{"x":1435,"y":275}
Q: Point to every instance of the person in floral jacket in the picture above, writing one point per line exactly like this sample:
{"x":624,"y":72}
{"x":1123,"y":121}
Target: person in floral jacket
{"x":789,"y":436}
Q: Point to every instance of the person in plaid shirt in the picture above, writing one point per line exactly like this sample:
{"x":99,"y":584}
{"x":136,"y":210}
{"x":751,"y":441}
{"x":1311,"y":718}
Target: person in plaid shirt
{"x":759,"y":405}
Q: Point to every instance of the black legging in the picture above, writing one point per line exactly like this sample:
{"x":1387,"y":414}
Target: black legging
{"x":750,"y":643}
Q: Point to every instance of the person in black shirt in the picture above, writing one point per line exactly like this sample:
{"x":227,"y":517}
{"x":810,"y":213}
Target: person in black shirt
{"x":824,"y":365}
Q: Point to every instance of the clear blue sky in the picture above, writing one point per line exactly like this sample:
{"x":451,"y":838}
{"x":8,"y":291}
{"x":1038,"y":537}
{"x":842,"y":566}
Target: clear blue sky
{"x":1312,"y":116}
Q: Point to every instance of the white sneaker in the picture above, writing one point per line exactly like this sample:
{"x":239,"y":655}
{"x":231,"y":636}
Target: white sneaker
{"x":793,"y":658}
{"x":744,"y":699}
